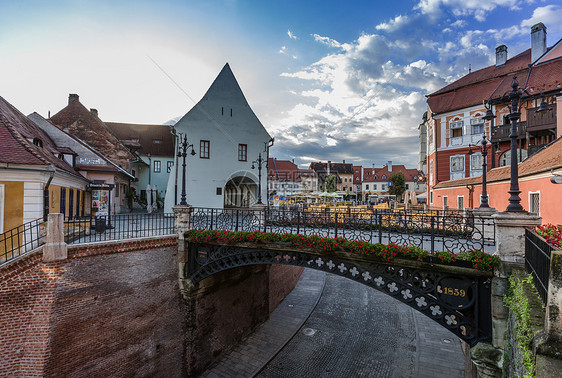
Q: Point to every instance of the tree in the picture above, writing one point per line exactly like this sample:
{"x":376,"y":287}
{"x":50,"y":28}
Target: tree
{"x":398,"y":184}
{"x":331,"y":184}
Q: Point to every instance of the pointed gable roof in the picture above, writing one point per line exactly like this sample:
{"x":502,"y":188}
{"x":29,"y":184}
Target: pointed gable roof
{"x":223,"y":91}
{"x":77,"y":120}
{"x":17,"y":133}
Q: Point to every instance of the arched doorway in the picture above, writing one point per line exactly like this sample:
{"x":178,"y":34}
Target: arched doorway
{"x":240,"y":191}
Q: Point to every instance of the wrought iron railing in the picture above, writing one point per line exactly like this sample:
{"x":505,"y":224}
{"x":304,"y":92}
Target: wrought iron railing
{"x":452,"y":231}
{"x":118,"y":227}
{"x":22,"y":239}
{"x":537,"y":261}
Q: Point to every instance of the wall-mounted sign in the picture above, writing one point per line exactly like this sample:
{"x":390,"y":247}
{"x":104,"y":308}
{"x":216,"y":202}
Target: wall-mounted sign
{"x":89,"y":161}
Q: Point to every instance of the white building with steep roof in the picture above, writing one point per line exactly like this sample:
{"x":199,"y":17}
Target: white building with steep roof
{"x":227,"y":137}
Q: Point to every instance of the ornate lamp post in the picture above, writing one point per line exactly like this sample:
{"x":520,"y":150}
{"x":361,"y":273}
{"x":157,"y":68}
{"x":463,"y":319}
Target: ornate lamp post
{"x":259,"y":163}
{"x":182,"y":152}
{"x":484,"y":149}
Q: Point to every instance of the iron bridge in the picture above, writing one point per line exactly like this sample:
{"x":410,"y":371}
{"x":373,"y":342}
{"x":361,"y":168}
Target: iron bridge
{"x":458,"y":298}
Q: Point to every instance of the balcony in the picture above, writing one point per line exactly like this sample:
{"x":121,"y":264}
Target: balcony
{"x":465,"y":140}
{"x":501,"y":133}
{"x":540,"y":123}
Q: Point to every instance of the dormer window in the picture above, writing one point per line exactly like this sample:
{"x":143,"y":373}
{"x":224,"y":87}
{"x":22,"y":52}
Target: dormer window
{"x":60,"y":156}
{"x":38,"y":142}
{"x":384,"y":177}
{"x":157,"y":141}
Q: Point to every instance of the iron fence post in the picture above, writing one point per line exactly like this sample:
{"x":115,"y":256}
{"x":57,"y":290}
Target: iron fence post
{"x":236,"y":227}
{"x":298,"y":222}
{"x":336,"y":224}
{"x":212,"y":211}
{"x":380,"y":227}
{"x":432,"y":233}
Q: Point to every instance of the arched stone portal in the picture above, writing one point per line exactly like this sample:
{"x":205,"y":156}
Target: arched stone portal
{"x":240,"y":191}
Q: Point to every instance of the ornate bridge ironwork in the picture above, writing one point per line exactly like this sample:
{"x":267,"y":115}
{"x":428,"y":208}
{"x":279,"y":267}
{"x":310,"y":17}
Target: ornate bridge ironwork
{"x":435,"y":230}
{"x":457,"y":298}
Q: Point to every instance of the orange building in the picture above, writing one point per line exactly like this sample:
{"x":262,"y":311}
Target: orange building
{"x":538,"y":194}
{"x":455,"y":119}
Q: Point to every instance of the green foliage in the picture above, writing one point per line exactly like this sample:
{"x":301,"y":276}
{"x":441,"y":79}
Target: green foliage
{"x":479,"y":260}
{"x":398,"y":184}
{"x":518,"y":303}
{"x":331,"y":184}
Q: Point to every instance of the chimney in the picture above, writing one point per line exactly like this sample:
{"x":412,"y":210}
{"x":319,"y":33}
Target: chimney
{"x":94,"y":111}
{"x":72,"y":97}
{"x":501,"y":55}
{"x":329,"y":163}
{"x":538,"y":41}
{"x":390,"y":165}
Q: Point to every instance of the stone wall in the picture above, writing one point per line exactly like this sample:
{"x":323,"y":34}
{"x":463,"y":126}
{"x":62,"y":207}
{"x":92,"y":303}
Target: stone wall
{"x":116,"y":309}
{"x":98,"y":313}
{"x":282,"y":280}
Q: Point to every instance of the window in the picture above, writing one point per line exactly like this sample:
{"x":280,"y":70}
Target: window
{"x":367,"y":187}
{"x":535,"y":203}
{"x":383,"y":186}
{"x":445,"y":202}
{"x":407,"y":186}
{"x":476,"y":161}
{"x":219,"y":191}
{"x":457,"y":163}
{"x":456,"y":133}
{"x":430,"y":197}
{"x":505,"y":158}
{"x":204,"y":149}
{"x":374,"y":186}
{"x":169,"y":166}
{"x":456,"y":125}
{"x":460,"y":203}
{"x":242,"y":152}
{"x":157,"y":166}
{"x":477,"y":125}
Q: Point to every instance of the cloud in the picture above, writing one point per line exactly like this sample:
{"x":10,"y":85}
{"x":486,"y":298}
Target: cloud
{"x":476,"y":8}
{"x":394,"y":24}
{"x":549,"y":15}
{"x":283,"y":50}
{"x":326,"y":41}
{"x":291,"y":35}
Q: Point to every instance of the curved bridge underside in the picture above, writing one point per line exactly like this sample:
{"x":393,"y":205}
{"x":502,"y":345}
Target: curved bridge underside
{"x":459,"y":302}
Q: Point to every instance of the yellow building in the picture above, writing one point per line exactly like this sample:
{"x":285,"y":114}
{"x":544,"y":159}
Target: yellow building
{"x":35,"y":176}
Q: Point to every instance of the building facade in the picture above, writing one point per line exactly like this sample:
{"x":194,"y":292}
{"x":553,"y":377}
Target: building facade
{"x":455,"y":117}
{"x":227,"y":138}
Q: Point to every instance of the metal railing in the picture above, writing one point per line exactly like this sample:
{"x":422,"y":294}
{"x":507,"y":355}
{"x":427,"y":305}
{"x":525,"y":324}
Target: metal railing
{"x":436,"y":231}
{"x":22,"y":239}
{"x":118,"y":227}
{"x":537,"y":261}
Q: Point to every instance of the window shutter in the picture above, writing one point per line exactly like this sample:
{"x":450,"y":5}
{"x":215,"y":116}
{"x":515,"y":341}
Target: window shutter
{"x":447,"y":132}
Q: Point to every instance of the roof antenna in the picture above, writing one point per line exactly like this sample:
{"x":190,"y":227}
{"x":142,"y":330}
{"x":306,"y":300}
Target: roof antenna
{"x":469,"y":68}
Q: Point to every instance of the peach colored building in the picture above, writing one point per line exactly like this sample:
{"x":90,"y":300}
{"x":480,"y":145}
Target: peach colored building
{"x":455,"y":116}
{"x":538,"y":194}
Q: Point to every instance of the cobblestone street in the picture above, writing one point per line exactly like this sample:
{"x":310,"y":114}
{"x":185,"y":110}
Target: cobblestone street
{"x":352,"y":331}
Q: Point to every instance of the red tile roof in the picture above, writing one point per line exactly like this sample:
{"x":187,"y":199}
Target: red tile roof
{"x":282,"y":170}
{"x":79,"y":121}
{"x":493,"y":82}
{"x":409,"y":173}
{"x":17,"y":133}
{"x":154,"y":139}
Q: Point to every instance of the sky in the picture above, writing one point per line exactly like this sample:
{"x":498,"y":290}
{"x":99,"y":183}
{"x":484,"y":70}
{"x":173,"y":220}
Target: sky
{"x":329,"y":80}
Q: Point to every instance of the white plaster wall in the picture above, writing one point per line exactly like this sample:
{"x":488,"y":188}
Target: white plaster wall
{"x":211,"y":120}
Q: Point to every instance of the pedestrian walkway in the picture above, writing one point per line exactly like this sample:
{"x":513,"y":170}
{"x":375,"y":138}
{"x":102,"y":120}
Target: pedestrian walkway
{"x":249,"y":357}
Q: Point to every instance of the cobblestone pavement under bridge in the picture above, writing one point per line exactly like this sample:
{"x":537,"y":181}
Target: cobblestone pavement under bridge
{"x":351,"y":331}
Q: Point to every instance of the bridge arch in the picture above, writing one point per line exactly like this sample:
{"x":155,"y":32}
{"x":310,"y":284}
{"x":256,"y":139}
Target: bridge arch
{"x":456,"y":298}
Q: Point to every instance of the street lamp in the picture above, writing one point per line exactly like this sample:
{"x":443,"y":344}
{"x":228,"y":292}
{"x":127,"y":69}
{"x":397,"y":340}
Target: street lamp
{"x":259,"y":162}
{"x":182,"y":152}
{"x":484,"y":149}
